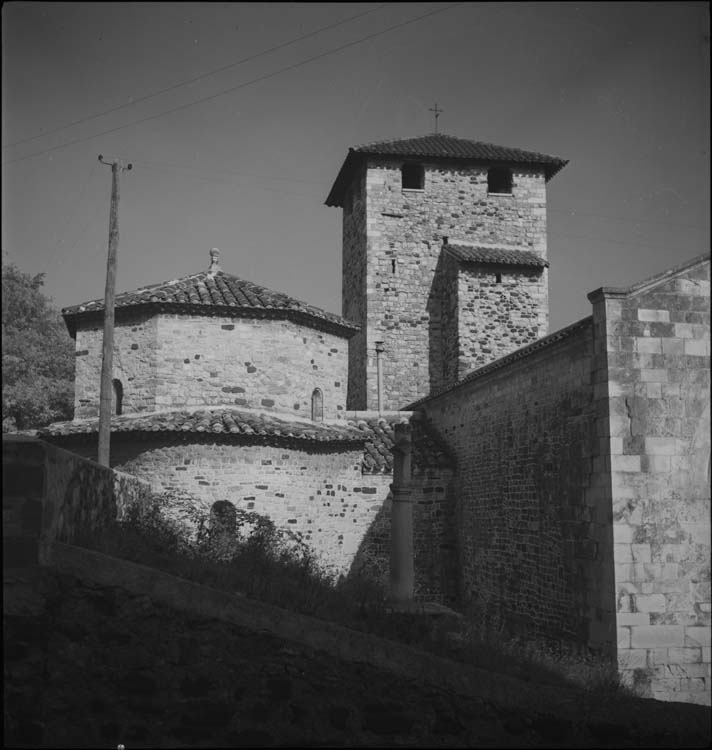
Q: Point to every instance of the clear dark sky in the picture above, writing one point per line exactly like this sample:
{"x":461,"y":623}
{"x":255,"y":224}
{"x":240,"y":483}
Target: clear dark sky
{"x":622,"y":90}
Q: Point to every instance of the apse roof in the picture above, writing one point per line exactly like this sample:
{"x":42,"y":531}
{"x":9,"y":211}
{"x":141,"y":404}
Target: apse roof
{"x":376,"y":434}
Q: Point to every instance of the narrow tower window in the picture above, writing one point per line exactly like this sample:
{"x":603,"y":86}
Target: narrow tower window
{"x":393,"y":265}
{"x":412,"y":176}
{"x":118,"y":397}
{"x":499,"y":180}
{"x":498,"y":278}
{"x":317,"y":410}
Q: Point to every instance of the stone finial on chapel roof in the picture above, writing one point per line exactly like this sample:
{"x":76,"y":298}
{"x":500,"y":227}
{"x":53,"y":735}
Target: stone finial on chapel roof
{"x":214,"y":261}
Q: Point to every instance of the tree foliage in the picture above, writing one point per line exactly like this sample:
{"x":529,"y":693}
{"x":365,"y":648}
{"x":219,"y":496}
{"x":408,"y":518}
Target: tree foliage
{"x":37,"y":354}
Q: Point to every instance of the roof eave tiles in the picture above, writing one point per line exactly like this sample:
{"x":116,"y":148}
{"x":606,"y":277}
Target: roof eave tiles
{"x":442,"y":147}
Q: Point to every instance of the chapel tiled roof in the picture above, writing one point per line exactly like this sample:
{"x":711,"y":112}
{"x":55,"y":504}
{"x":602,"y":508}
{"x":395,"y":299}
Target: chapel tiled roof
{"x":428,"y":450}
{"x":216,"y":421}
{"x":215,"y":293}
{"x":375,"y":434}
{"x":440,"y":146}
{"x":495,"y":254}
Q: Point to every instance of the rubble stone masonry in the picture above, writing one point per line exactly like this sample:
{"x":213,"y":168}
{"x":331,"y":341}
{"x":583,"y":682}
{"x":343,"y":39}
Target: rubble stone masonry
{"x":534,"y":542}
{"x":182,"y":361}
{"x":488,"y":312}
{"x":392,"y":245}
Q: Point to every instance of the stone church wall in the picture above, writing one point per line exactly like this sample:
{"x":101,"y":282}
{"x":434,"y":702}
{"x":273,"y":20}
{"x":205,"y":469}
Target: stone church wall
{"x":534,"y":543}
{"x":188,"y":361}
{"x":403,"y":237}
{"x":323,"y":496}
{"x":658,"y":379}
{"x":497,"y":317}
{"x":135,"y":343}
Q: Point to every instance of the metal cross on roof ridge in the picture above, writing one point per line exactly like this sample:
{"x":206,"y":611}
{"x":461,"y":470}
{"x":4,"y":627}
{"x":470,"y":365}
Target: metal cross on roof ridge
{"x":438,"y":112}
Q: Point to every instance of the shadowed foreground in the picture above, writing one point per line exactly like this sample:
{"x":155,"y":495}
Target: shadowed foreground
{"x":91,"y":664}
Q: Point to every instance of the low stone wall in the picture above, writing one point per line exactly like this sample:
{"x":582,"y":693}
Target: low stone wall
{"x":51,"y":494}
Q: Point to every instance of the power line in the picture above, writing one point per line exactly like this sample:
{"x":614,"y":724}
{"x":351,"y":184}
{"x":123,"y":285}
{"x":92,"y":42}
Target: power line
{"x":197,"y":78}
{"x":606,"y":241}
{"x":231,"y":172}
{"x":620,"y":218}
{"x":203,"y":178}
{"x":71,"y":215}
{"x":235,"y":88}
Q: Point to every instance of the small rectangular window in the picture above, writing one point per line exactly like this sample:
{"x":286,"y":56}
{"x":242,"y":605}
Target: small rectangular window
{"x":499,"y":180}
{"x":412,"y":176}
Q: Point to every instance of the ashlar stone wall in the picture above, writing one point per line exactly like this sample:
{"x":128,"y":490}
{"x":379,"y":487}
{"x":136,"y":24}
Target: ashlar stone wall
{"x":657,"y":346}
{"x":185,"y":361}
{"x":394,"y":237}
{"x":534,"y":542}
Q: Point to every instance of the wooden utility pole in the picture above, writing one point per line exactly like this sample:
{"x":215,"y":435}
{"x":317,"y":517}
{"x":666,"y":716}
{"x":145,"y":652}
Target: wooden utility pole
{"x":107,"y":354}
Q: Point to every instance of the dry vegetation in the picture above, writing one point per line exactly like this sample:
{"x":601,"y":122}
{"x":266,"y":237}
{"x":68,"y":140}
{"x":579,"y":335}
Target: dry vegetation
{"x":245,"y":553}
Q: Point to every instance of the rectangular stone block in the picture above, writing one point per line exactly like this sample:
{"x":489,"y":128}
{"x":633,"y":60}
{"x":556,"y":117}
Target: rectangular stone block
{"x":625,"y":463}
{"x":684,"y":655}
{"x":659,"y":464}
{"x":673,"y":347}
{"x":657,"y":656}
{"x":699,"y":348}
{"x":697,"y":636}
{"x":632,"y":658}
{"x":654,"y":316}
{"x":657,"y":636}
{"x":623,"y":533}
{"x":654,"y":376}
{"x":632,"y":618}
{"x":683,"y":331}
{"x":616,"y":446}
{"x":650,"y":602}
{"x":660,"y":446}
{"x":640,"y":553}
{"x":654,"y":390}
{"x":623,"y":638}
{"x":648,"y":346}
{"x":622,"y":553}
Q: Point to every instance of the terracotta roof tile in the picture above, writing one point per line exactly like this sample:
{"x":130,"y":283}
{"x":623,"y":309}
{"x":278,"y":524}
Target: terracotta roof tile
{"x":215,"y":293}
{"x":428,"y":450}
{"x":495,"y":254}
{"x":440,"y":146}
{"x":216,"y":421}
{"x":375,"y":435}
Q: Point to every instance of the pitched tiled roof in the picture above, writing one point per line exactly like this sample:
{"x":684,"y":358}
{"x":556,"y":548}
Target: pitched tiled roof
{"x":495,"y":254}
{"x":215,"y":293}
{"x":375,"y":435}
{"x":440,"y":146}
{"x":218,"y":421}
{"x":428,"y":450}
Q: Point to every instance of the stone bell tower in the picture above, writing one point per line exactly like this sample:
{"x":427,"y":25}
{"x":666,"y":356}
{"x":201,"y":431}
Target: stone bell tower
{"x":444,"y":260}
